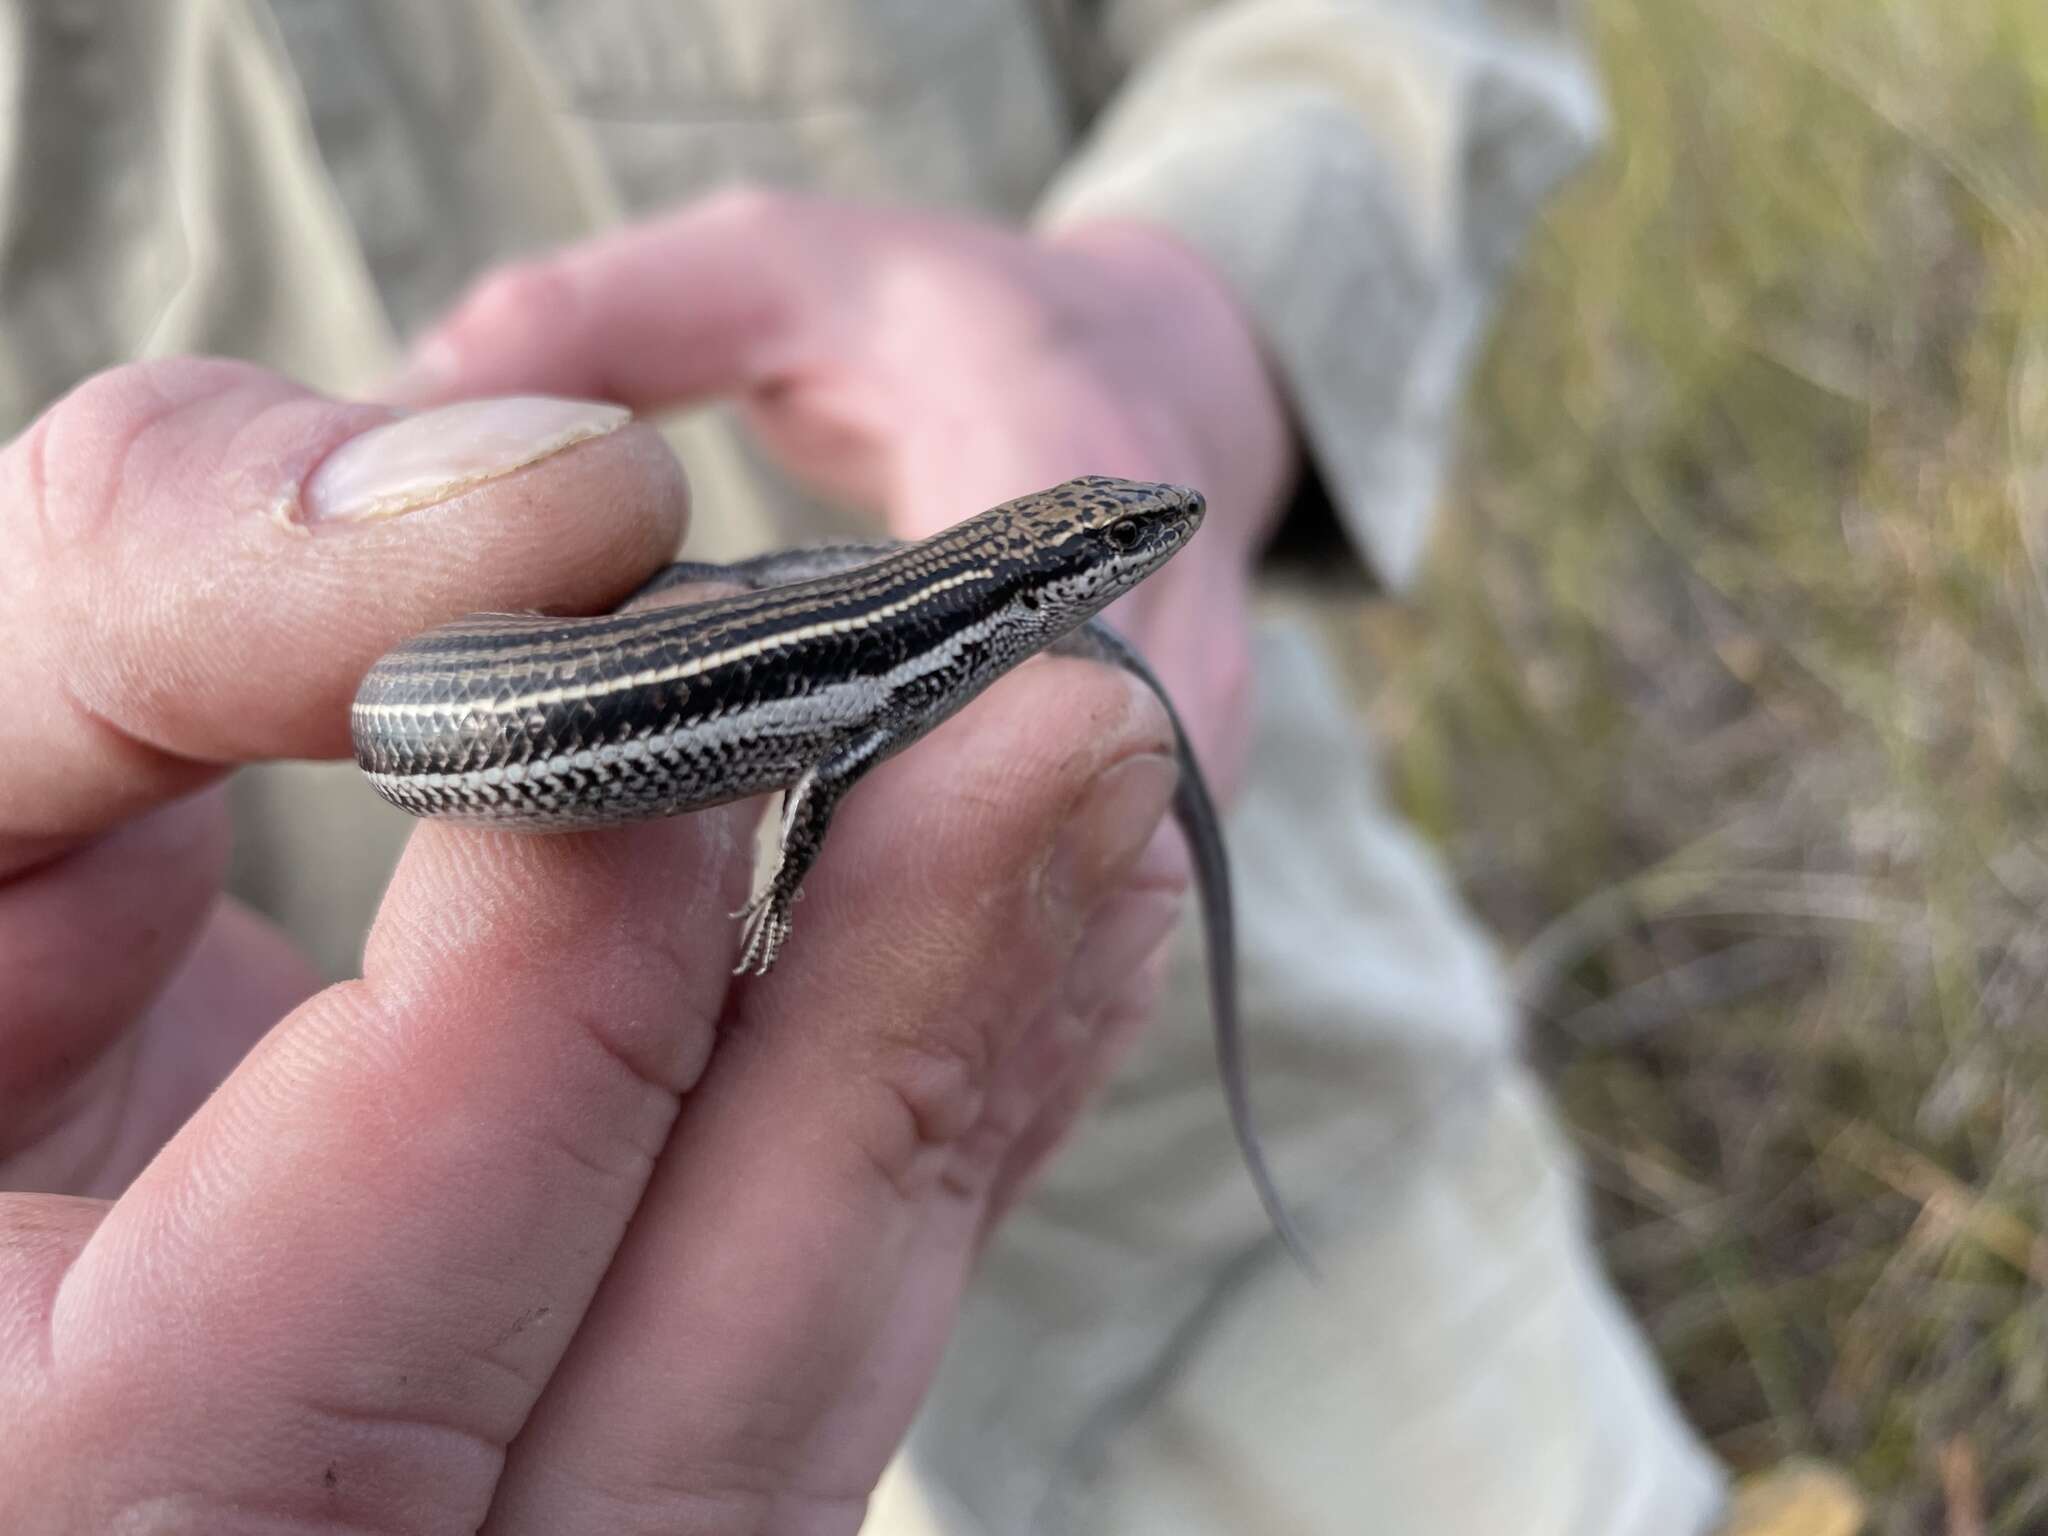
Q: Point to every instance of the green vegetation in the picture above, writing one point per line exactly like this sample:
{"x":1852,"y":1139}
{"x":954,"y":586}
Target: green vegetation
{"x":1727,"y":695}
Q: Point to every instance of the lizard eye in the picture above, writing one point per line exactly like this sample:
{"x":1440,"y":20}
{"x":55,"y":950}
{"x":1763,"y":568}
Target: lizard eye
{"x":1121,"y":535}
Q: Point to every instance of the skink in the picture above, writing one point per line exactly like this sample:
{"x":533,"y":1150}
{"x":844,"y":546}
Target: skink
{"x":830,"y":660}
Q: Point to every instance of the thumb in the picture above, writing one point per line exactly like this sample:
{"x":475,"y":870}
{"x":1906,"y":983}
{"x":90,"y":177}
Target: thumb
{"x":205,"y":558}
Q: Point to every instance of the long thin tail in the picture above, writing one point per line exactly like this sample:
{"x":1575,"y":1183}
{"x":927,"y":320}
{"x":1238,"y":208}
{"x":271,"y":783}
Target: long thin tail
{"x":1195,"y":812}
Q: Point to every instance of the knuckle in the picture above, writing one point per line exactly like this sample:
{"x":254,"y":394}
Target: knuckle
{"x":936,"y":1085}
{"x":795,"y":251}
{"x":72,"y":465}
{"x":661,"y":1052}
{"x":749,"y":205}
{"x":647,"y":1037}
{"x":26,"y":478}
{"x":521,"y":299}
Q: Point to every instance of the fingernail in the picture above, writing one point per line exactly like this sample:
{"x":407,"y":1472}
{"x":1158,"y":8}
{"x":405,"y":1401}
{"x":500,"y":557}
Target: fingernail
{"x":1125,"y":934}
{"x":417,"y":461}
{"x":1107,"y":831}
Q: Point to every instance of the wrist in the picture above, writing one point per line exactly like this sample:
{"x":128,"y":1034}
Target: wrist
{"x":1192,"y":347}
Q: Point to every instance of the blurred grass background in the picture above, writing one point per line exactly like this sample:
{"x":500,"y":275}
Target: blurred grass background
{"x":1725,"y":696}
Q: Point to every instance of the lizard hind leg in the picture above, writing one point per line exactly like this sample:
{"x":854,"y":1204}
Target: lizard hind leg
{"x":807,"y":807}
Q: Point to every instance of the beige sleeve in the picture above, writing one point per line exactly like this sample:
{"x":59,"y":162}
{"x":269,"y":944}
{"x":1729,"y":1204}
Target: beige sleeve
{"x":1361,"y":171}
{"x":160,"y":193}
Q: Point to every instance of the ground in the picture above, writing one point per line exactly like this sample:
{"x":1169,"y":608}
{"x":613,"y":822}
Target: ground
{"x":1726,"y":693}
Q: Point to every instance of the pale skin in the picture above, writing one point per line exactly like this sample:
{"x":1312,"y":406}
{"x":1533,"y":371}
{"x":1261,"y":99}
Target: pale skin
{"x":546,"y":1223}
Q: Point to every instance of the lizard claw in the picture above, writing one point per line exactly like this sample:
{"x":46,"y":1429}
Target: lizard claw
{"x":764,"y":926}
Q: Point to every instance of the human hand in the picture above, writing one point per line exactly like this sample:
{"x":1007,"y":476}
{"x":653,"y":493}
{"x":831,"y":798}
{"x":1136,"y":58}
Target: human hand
{"x":492,"y":1238}
{"x":927,"y":367}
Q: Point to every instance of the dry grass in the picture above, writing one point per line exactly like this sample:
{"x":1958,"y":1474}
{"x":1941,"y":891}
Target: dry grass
{"x":1728,"y":697}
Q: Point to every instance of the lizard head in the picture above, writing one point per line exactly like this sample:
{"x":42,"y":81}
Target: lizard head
{"x":1093,"y":539}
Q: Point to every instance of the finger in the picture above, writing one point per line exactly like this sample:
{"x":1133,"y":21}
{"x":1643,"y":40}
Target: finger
{"x":1122,"y":955}
{"x":204,"y":558}
{"x":710,"y":300}
{"x":358,"y":1263}
{"x":84,"y":944}
{"x":773,"y":1316}
{"x":241,"y":977}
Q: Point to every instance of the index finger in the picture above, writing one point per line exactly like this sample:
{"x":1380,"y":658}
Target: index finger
{"x":713,"y":299}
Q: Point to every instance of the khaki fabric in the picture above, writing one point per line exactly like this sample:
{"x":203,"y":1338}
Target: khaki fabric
{"x":163,"y":194}
{"x":1360,"y":172}
{"x":304,"y":183}
{"x":1137,"y":1357}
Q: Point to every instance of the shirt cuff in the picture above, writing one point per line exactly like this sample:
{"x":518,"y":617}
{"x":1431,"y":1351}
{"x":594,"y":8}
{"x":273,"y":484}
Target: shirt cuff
{"x":1360,"y":175}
